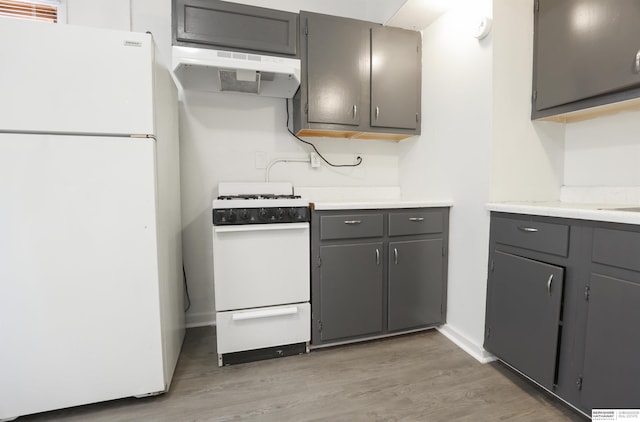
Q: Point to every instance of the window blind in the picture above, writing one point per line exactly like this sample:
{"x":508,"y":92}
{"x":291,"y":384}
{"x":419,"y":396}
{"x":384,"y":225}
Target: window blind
{"x":32,"y":10}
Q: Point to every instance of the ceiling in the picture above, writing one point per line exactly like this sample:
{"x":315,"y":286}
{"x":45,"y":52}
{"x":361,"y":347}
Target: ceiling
{"x":419,"y":14}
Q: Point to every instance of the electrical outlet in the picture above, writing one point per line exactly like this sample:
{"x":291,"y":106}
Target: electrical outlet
{"x":315,"y":160}
{"x":357,"y":157}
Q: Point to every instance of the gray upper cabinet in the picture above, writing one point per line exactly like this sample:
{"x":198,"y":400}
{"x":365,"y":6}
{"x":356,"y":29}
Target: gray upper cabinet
{"x":232,"y":26}
{"x":586,"y":54}
{"x":395,"y":78}
{"x":334,"y":69}
{"x":345,"y":64}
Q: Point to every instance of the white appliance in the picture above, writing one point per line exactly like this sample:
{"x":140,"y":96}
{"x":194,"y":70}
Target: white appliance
{"x":210,"y":70}
{"x":91,"y":288}
{"x":261,"y":271}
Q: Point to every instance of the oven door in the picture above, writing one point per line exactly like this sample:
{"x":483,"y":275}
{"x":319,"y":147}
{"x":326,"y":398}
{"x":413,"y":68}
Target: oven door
{"x":258,"y":265}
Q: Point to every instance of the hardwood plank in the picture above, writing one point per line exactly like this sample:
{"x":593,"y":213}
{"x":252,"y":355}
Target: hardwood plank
{"x":416,"y":377}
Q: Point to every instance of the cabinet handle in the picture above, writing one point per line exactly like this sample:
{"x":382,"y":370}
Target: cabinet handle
{"x":527,"y":229}
{"x":395,"y":256}
{"x":416,"y":218}
{"x":377,"y":112}
{"x":352,"y":222}
{"x":377,"y":256}
{"x":549,"y":284}
{"x":638,"y":62}
{"x":355,"y":111}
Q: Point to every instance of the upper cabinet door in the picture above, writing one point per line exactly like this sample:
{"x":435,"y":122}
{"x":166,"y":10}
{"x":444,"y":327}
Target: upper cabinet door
{"x":395,"y":78}
{"x":231,"y":26}
{"x":584,"y":49}
{"x":335,"y":65}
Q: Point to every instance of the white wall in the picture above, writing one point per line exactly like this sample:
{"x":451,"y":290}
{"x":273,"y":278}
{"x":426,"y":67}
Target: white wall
{"x":527,"y":157}
{"x":603,"y":151}
{"x":452,"y":159}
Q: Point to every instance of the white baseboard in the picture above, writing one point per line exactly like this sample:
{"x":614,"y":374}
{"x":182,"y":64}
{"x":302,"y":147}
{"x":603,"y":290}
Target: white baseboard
{"x":201,"y":319}
{"x":463,"y":342}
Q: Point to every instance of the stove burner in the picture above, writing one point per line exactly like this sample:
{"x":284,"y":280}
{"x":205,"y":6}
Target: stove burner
{"x":259,"y":196}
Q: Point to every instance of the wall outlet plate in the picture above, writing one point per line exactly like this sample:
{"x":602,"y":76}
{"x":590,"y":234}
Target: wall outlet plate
{"x":314,"y":160}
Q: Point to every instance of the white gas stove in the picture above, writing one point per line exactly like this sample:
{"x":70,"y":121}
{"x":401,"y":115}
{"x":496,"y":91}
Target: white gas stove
{"x":261,"y":271}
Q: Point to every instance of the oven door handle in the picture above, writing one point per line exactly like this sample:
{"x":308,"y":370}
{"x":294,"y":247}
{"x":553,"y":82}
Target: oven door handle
{"x":265,"y":313}
{"x":260,"y":227}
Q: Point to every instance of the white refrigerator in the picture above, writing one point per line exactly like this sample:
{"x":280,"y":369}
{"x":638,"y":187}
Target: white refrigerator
{"x":91,"y":287}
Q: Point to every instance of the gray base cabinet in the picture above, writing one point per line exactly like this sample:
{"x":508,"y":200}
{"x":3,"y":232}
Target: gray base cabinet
{"x":524,"y":319}
{"x":351,"y":290}
{"x":585,"y":54}
{"x":377,"y":272}
{"x":563,"y":306}
{"x":415,"y":283}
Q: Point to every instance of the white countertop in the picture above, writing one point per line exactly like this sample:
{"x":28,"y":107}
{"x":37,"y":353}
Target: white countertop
{"x":378,"y":204}
{"x":363,"y":198}
{"x":596,"y":212}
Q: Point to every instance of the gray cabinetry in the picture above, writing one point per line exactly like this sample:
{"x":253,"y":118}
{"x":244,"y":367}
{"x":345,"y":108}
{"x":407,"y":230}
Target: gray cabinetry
{"x":348,"y":63}
{"x":377,"y":272}
{"x":563,"y":306}
{"x":232,"y":26}
{"x":586,"y":54}
{"x":351,"y":289}
{"x":336,"y":70}
{"x":611,"y":376}
{"x":523,"y":320}
{"x":395,"y":78}
{"x":415,"y":284}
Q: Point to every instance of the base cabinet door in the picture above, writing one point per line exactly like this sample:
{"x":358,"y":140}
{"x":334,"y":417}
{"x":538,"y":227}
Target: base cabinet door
{"x":523,"y":316}
{"x":351,"y":279}
{"x":611,"y":376}
{"x":415,"y":284}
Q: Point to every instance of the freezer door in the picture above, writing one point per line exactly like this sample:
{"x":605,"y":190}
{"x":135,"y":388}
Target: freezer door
{"x":72,"y":79}
{"x":79,"y":299}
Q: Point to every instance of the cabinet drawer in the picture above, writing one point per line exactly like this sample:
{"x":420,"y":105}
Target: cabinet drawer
{"x":617,"y":248}
{"x":350,"y":226}
{"x":549,"y":238}
{"x":416,"y":222}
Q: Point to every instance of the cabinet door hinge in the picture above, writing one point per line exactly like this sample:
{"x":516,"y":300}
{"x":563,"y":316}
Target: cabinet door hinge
{"x":487,"y":334}
{"x":579,"y":383}
{"x":306,"y":108}
{"x":318,"y":262}
{"x":587,"y":292}
{"x":492,"y":266}
{"x":444,"y":251}
{"x":306,"y":29}
{"x":536,"y":5}
{"x":535,"y":95}
{"x":417,"y":118}
{"x":319,"y":326}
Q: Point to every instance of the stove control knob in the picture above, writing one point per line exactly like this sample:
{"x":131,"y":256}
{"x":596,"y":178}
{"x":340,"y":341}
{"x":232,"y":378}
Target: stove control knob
{"x":244,"y":215}
{"x":293,"y":213}
{"x":280,"y":214}
{"x":231,"y":216}
{"x":265,"y":214}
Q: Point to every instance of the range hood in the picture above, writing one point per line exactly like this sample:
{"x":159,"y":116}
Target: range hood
{"x":203,"y":69}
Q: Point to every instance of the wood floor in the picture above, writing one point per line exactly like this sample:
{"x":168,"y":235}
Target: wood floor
{"x":417,"y":377}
